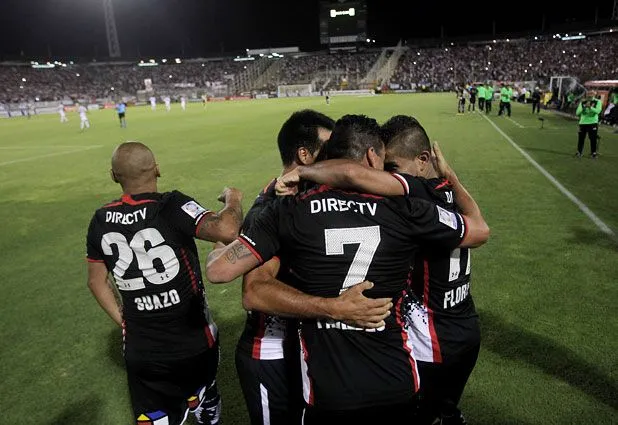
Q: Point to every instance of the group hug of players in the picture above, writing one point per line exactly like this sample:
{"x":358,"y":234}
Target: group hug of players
{"x":356,"y":281}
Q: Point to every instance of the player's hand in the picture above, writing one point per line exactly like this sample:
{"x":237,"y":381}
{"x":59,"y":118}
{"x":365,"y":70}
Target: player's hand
{"x":230,"y":193}
{"x":442,"y":167}
{"x":355,"y":309}
{"x":288,"y":183}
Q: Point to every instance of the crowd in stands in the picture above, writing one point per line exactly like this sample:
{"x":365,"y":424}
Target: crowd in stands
{"x":443,"y":68}
{"x":437,"y":69}
{"x":327,"y":71}
{"x":91,"y":81}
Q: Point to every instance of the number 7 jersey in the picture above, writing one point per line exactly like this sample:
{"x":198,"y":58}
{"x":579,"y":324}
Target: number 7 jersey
{"x":147,"y":242}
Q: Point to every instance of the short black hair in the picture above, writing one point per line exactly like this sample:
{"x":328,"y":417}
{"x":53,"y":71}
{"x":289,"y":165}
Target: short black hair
{"x":352,"y":136}
{"x":410,"y":142}
{"x":301,"y":130}
{"x":396,"y":125}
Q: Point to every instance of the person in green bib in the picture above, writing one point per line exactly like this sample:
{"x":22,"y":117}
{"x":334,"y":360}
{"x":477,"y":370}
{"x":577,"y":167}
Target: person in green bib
{"x":506,"y":93}
{"x":481,"y":94}
{"x":588,"y":112}
{"x":489,"y":96}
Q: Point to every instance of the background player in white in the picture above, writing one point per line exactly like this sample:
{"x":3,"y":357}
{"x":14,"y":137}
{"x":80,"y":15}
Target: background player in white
{"x":153,"y":103}
{"x":63,"y":115}
{"x":183,"y":103}
{"x":168,"y":105}
{"x":84,"y":122}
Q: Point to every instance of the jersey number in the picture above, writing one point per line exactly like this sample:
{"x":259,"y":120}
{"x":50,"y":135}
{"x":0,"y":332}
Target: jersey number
{"x":368,"y":239}
{"x":166,"y":269}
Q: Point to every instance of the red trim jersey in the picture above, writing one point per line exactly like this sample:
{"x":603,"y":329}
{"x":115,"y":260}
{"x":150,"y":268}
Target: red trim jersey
{"x":332,"y":241}
{"x":146,"y":242}
{"x":445,"y":322}
{"x":264,"y":335}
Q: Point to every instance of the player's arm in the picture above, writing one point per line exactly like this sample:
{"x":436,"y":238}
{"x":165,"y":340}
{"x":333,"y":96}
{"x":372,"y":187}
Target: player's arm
{"x":223,"y":225}
{"x":262,"y":291}
{"x":102,"y":291}
{"x":342,"y":174}
{"x":580,"y":109}
{"x":597,"y":106}
{"x":256,"y":245}
{"x":477,"y":230}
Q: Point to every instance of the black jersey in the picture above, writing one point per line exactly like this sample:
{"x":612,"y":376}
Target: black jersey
{"x":146,"y":241}
{"x":334,"y":240}
{"x":446,"y":323}
{"x":264,"y":334}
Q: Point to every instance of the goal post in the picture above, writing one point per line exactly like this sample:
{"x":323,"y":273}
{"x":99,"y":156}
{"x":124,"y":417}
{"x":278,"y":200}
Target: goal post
{"x":295,"y":90}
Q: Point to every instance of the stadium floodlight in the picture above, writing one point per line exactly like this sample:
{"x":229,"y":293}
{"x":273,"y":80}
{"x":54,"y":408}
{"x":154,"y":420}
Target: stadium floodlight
{"x":170,"y":76}
{"x":203,"y":65}
{"x":495,"y":41}
{"x":23,"y":79}
{"x":177,"y":60}
{"x":541,"y":61}
{"x":374,"y":41}
{"x":486,"y":69}
{"x":574,"y":37}
{"x":71,"y":62}
{"x":164,"y":60}
{"x":452,"y":44}
{"x":529,"y":64}
{"x":112,"y":89}
{"x":350,"y":12}
{"x":152,"y":61}
{"x":414,"y":62}
{"x":536,"y":38}
{"x":508,"y":40}
{"x":488,"y":63}
{"x":77,"y":75}
{"x":574,"y":56}
{"x":64,"y":65}
{"x":446,"y":50}
{"x":418,"y":53}
{"x":368,"y":40}
{"x":21,"y":87}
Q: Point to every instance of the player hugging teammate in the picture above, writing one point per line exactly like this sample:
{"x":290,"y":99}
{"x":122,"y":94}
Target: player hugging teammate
{"x":357,"y":284}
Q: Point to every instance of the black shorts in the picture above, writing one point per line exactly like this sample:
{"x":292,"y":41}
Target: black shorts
{"x":442,"y":384}
{"x":170,"y":388}
{"x":388,"y":414}
{"x":121,"y":115}
{"x":472,"y":99}
{"x":272,"y":394}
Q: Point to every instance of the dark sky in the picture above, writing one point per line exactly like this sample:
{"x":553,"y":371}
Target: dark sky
{"x":75,"y":28}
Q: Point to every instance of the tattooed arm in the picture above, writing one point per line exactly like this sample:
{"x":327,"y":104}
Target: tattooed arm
{"x":223,"y":225}
{"x":226,"y":264}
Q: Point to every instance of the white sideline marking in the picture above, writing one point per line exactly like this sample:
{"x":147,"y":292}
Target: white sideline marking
{"x":515,"y":122}
{"x":32,"y":158}
{"x":43,"y":147}
{"x":592,"y":216}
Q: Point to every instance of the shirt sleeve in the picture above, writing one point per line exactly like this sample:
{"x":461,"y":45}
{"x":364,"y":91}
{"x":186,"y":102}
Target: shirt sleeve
{"x":433,"y":225}
{"x":262,"y":237}
{"x":411,"y":185}
{"x":186,"y":213}
{"x":94,"y":254}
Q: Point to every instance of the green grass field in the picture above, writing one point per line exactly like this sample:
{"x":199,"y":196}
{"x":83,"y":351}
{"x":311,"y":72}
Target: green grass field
{"x":545,"y":285}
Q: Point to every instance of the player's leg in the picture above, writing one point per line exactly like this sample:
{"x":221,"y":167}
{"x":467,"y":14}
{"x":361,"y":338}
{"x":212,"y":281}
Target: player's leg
{"x":430,"y":375}
{"x":581,"y":138}
{"x":264,"y":384}
{"x":593,"y":134}
{"x":154,"y":395}
{"x":455,"y":378}
{"x":82,"y":124}
{"x":205,"y":403}
{"x":508,"y":108}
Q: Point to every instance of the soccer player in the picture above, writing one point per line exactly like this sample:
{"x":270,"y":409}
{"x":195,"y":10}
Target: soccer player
{"x":153,"y":103}
{"x":505,"y":99}
{"x":145,"y":240}
{"x":266,"y":356}
{"x":168,"y":105}
{"x":588,"y":112}
{"x":445,"y":330}
{"x":83,"y":117}
{"x":327,"y":98}
{"x":481,"y":94}
{"x":121,"y":108}
{"x":63,"y":114}
{"x":536,"y":100}
{"x":489,"y":97}
{"x":461,"y":104}
{"x":335,"y":239}
{"x":183,"y":103}
{"x":473,"y":91}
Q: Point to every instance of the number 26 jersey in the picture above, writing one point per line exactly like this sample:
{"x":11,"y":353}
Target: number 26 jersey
{"x":147,"y":242}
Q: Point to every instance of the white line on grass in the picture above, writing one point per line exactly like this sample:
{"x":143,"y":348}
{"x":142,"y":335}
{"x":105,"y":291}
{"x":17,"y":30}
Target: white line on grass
{"x":515,"y":122}
{"x":42,"y":147}
{"x":592,"y":216}
{"x":32,"y":158}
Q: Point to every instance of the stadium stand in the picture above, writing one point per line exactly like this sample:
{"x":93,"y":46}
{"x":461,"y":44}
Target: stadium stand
{"x":432,"y":68}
